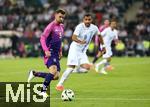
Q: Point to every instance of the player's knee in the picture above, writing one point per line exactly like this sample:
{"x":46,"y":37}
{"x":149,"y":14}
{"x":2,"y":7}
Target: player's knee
{"x":56,"y":77}
{"x":86,"y":66}
{"x":53,"y":69}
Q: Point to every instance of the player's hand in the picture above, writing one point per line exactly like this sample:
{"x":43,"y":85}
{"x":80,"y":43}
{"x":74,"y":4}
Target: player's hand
{"x":82,"y":42}
{"x":47,"y":53}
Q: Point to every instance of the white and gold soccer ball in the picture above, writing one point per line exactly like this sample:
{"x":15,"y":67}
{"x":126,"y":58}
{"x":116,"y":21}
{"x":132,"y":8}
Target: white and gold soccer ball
{"x":67,"y":95}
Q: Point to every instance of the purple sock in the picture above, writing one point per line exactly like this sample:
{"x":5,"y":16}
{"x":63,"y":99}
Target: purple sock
{"x":49,"y":77}
{"x":39,"y":74}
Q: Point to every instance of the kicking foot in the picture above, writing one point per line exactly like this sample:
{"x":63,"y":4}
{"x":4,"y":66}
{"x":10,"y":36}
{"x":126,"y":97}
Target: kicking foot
{"x":60,"y":88}
{"x":31,"y":76}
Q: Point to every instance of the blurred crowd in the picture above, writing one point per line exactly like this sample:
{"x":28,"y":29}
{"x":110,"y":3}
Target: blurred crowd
{"x":31,"y":16}
{"x":137,"y":34}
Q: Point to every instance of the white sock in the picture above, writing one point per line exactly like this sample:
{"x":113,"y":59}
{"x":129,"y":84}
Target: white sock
{"x":65,"y":76}
{"x":82,"y":70}
{"x":76,"y":70}
{"x":101,"y":62}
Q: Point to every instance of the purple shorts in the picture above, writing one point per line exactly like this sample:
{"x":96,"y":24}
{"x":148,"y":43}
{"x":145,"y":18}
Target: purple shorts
{"x":53,"y":60}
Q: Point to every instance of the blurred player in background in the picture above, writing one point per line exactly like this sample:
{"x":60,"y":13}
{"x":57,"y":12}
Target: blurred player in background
{"x":51,"y":44}
{"x":109,"y":34}
{"x":97,"y":45}
{"x":82,"y":36}
{"x":97,"y":41}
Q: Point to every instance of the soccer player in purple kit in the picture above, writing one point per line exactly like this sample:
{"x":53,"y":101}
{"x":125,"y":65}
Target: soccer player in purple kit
{"x":51,"y":44}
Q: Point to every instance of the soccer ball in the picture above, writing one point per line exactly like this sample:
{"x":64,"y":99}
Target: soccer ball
{"x":67,"y":95}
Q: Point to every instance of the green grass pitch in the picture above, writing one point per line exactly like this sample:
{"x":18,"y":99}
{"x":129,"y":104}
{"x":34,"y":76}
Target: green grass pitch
{"x":128,"y":85}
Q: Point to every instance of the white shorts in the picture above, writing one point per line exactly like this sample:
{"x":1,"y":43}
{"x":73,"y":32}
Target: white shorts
{"x":108,"y":52}
{"x":76,"y":57}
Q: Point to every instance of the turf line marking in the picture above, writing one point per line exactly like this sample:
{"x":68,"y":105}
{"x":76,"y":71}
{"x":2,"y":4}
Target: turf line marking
{"x":109,"y":99}
{"x":96,"y":99}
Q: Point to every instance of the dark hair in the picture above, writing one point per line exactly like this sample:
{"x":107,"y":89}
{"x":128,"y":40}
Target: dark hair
{"x":87,"y":15}
{"x":60,"y":11}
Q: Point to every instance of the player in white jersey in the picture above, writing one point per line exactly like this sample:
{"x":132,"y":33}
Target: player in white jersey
{"x":97,"y":41}
{"x":109,"y":34}
{"x":82,"y":36}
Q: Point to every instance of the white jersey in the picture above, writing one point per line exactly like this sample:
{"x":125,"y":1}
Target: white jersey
{"x":77,"y":52}
{"x":84,"y":33}
{"x":109,"y":35}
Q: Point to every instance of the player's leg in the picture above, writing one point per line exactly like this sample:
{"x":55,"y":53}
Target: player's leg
{"x":64,"y":76}
{"x":72,"y":61}
{"x":33,"y":73}
{"x":97,"y":47}
{"x":56,"y":77}
{"x":108,"y":66}
{"x":107,"y":58}
{"x":96,"y":57}
{"x":84,"y":64}
{"x":99,"y":64}
{"x":84,"y":68}
{"x":104,"y":60}
{"x":48,"y":78}
{"x":103,"y":69}
{"x":53,"y":68}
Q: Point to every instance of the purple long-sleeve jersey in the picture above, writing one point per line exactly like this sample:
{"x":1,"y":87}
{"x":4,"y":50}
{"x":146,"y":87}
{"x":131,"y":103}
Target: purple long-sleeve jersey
{"x":51,"y":38}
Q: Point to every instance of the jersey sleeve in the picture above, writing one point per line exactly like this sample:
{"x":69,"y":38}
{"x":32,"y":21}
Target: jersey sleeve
{"x":44,"y":36}
{"x":77,"y":30}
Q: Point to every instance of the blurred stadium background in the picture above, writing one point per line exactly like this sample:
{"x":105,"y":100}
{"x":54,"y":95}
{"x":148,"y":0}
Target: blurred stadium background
{"x":22,"y":22}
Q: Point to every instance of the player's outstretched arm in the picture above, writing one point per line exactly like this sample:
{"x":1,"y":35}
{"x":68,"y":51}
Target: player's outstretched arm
{"x":76,"y":39}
